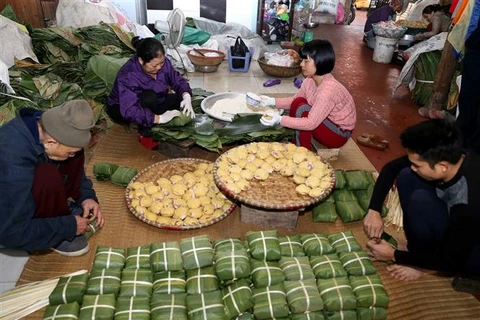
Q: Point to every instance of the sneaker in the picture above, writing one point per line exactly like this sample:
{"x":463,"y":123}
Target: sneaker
{"x":77,"y":247}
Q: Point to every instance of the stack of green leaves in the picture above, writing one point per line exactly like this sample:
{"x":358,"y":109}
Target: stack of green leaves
{"x":350,"y":200}
{"x":425,"y":70}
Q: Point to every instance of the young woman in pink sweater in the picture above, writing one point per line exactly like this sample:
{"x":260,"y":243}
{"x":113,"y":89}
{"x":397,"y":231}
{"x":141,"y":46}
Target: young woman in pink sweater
{"x":322,"y":107}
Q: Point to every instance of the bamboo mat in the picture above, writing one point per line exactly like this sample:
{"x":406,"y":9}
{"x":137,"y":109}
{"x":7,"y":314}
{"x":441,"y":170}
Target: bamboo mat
{"x":431,"y":297}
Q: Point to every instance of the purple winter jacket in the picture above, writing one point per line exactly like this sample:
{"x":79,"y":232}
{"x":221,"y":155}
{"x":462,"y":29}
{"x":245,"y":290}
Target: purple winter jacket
{"x":383,"y":13}
{"x":132,"y":80}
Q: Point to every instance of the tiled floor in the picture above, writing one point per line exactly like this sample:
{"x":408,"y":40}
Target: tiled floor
{"x":371,"y":85}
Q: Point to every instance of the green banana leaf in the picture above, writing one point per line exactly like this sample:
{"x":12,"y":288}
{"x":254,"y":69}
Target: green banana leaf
{"x":136,"y":283}
{"x":123,"y":175}
{"x":291,"y":246}
{"x":197,"y":252}
{"x":205,"y":306}
{"x":344,"y":242}
{"x":9,"y":108}
{"x":107,"y":257}
{"x":69,"y":289}
{"x":270,"y":302}
{"x":169,"y":306}
{"x":337,"y":294}
{"x":127,"y":308}
{"x":103,"y":171}
{"x":202,"y":280}
{"x":369,"y":291}
{"x":100,"y":75}
{"x":8,"y":12}
{"x":237,"y":298}
{"x":357,"y":263}
{"x":296,"y":268}
{"x":67,"y":311}
{"x":315,"y":244}
{"x":169,"y":282}
{"x":166,"y":256}
{"x":138,"y":258}
{"x":303,"y":296}
{"x":266,"y":273}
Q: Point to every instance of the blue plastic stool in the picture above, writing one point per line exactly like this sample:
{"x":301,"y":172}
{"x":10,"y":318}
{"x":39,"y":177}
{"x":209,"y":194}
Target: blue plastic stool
{"x":247,"y":59}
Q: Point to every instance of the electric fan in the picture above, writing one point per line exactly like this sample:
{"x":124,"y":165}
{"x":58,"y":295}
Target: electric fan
{"x":172,"y":29}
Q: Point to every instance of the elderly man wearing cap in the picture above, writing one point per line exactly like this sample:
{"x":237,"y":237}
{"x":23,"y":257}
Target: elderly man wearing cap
{"x":46,"y":199}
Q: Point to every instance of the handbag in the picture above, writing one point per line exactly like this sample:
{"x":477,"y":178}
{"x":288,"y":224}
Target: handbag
{"x":239,"y":49}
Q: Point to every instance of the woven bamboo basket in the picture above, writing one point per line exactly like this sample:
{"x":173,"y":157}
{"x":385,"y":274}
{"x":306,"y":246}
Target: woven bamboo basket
{"x":199,"y":60}
{"x":279,"y":71}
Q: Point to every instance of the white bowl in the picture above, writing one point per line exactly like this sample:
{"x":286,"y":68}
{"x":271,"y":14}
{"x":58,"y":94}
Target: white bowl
{"x":253,"y":99}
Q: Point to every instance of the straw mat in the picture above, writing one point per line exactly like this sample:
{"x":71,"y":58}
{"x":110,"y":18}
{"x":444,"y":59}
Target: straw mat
{"x":430,"y":297}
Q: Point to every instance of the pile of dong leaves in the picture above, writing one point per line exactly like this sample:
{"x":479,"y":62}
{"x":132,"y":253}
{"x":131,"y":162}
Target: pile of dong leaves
{"x":212,"y":135}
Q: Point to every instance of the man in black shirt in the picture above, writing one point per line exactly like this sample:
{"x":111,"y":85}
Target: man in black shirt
{"x":439,"y":190}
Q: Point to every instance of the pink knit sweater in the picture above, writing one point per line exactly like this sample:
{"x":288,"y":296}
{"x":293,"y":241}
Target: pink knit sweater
{"x":330,"y":100}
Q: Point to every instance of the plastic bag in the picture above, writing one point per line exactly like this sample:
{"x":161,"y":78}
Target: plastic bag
{"x":239,"y":49}
{"x":194,"y":36}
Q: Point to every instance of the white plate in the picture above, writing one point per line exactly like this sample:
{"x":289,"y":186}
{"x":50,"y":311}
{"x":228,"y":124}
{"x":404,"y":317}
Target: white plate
{"x":209,"y":101}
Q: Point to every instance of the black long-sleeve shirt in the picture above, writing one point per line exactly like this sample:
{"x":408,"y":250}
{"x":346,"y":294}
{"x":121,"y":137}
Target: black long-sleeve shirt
{"x":462,"y":196}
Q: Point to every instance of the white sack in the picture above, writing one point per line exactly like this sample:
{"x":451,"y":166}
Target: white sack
{"x":15,"y":43}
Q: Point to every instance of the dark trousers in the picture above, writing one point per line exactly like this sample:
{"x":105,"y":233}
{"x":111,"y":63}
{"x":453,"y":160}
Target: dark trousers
{"x":426,"y":217}
{"x":149,"y":100}
{"x":54,"y":184}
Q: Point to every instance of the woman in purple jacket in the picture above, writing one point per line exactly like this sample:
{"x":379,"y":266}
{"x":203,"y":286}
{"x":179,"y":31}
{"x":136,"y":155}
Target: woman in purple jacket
{"x":142,"y":92}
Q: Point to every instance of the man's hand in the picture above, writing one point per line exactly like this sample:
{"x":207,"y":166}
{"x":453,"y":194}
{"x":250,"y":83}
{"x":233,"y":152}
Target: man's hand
{"x":267,"y":101}
{"x":186,"y":106}
{"x":271,"y":119}
{"x":373,"y":224}
{"x":91,"y":206}
{"x":381,"y":251}
{"x":82,"y":225}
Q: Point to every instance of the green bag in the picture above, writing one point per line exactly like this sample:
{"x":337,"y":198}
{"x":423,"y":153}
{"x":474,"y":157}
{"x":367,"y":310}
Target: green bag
{"x":324,"y":212}
{"x":62,"y":311}
{"x":337,"y":294}
{"x":237,"y":298}
{"x":202,"y":280}
{"x":303,"y":296}
{"x":296,"y":268}
{"x":357,"y":179}
{"x":341,"y":315}
{"x":327,"y":266}
{"x":69,"y":289}
{"x":166,"y":256}
{"x":371,"y":313}
{"x":231,"y":265}
{"x":136,"y":283}
{"x":343,"y":195}
{"x":98,"y":307}
{"x":205,"y":306}
{"x":194,"y":36}
{"x":308,"y":316}
{"x":138,"y":258}
{"x":169,"y":282}
{"x":270,"y":302}
{"x":123,"y":175}
{"x":369,"y":291}
{"x":104,"y":281}
{"x":291,"y":246}
{"x":340,"y":181}
{"x":315,"y":244}
{"x":197,"y":252}
{"x":266,"y":273}
{"x":344,"y":242}
{"x":107,"y":258}
{"x":169,"y":306}
{"x":228,"y":245}
{"x":128,"y":308}
{"x":349,"y":210}
{"x":104,"y":171}
{"x":264,"y":245}
{"x":357,"y":263}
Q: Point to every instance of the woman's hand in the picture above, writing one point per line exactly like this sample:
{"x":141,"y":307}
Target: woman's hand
{"x":267,"y":101}
{"x":418,"y":37}
{"x":92,"y":207}
{"x":270,"y":119}
{"x":186,"y":106}
{"x":373,"y":224}
{"x":381,"y":251}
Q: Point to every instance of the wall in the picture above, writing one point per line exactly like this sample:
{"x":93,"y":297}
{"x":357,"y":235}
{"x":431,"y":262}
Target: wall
{"x":243,"y":12}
